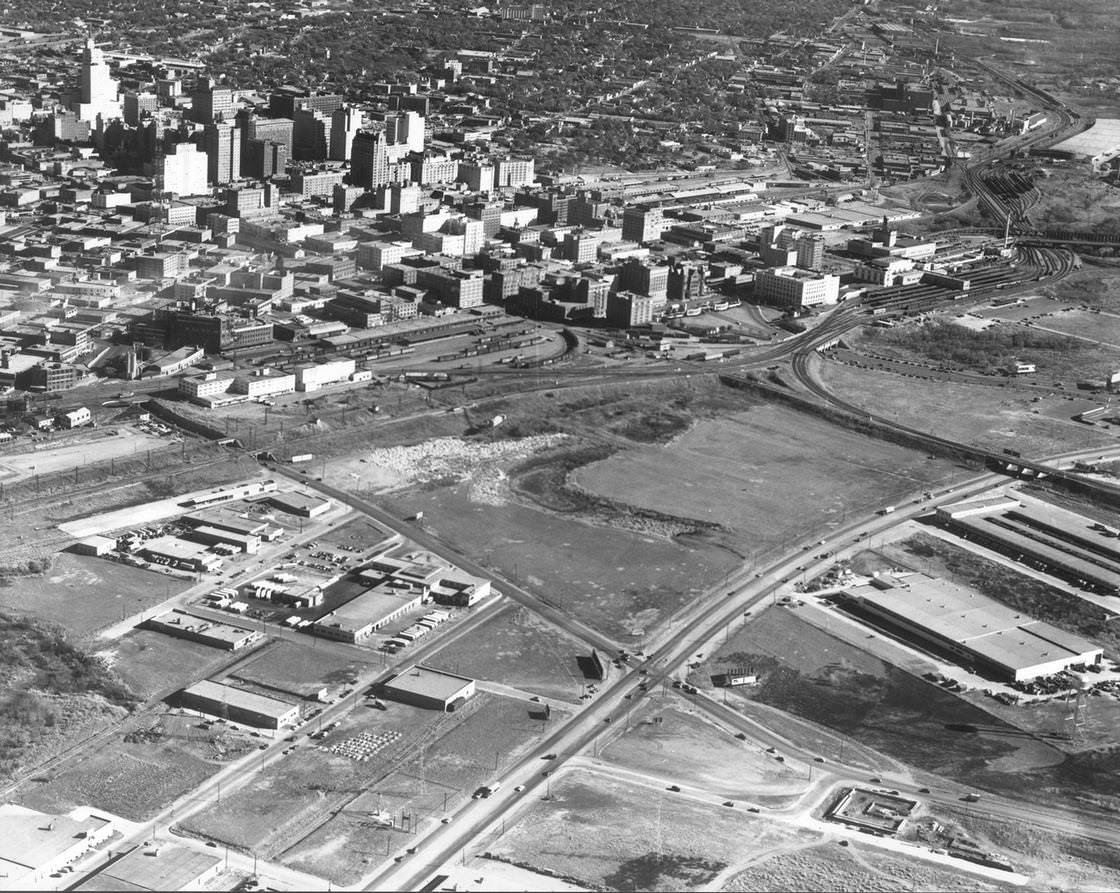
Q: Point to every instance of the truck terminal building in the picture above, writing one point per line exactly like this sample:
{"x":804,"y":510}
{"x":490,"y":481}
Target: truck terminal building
{"x":1064,"y":543}
{"x":237,"y":705}
{"x":976,"y":629}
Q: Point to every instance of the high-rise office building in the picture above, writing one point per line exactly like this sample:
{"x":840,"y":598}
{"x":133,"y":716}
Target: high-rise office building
{"x":97,"y":91}
{"x":223,"y":152}
{"x":211,"y":103}
{"x":369,"y":162}
{"x":513,"y":172}
{"x":276,"y":130}
{"x":264,"y":159}
{"x":642,"y":224}
{"x":184,"y":171}
{"x":311,"y":136}
{"x":405,"y":128}
{"x":138,"y":104}
{"x":345,"y":124}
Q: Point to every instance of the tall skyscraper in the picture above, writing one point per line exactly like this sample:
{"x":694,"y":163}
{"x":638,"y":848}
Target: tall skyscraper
{"x":405,"y":128}
{"x":183,"y":171}
{"x":97,"y":91}
{"x":345,"y":124}
{"x":369,"y":162}
{"x":210,"y":103}
{"x":311,"y":136}
{"x":223,"y":152}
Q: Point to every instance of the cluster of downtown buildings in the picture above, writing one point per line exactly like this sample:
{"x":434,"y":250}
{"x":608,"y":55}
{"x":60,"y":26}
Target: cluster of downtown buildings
{"x":154,"y":218}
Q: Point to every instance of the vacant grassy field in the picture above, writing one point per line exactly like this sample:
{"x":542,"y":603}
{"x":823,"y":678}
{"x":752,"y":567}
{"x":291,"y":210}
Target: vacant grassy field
{"x":1054,"y":861}
{"x":153,"y":664}
{"x":349,"y":845}
{"x":612,"y":579}
{"x":686,"y":748}
{"x":996,"y":418}
{"x":136,"y":778}
{"x":812,"y":674}
{"x":83,"y":594}
{"x":1096,"y":284}
{"x":770,"y":474}
{"x":299,"y":668}
{"x":605,"y":832}
{"x":517,"y":648}
{"x":821,"y":868}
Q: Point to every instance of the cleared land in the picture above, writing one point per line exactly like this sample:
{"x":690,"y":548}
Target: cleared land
{"x":78,"y":450}
{"x":296,"y":808}
{"x":515,"y":647}
{"x":614,"y":580}
{"x":771,"y":474}
{"x":598,"y":830}
{"x":153,"y":664}
{"x":436,"y":772}
{"x":84,"y":594}
{"x":1096,"y":284}
{"x":159,"y":758}
{"x":686,"y":748}
{"x":301,"y":669}
{"x":991,"y":417}
{"x":1053,"y":861}
{"x":827,"y":867}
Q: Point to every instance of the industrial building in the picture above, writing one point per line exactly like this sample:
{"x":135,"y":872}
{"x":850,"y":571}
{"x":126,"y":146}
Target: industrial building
{"x":165,"y":866}
{"x":442,"y":584}
{"x":238,"y":705}
{"x":171,"y":550}
{"x":424,"y":687}
{"x":207,"y":632}
{"x":978,"y":630}
{"x":1063,"y":543}
{"x":35,"y":845}
{"x":362,"y":615}
{"x":297,"y":502}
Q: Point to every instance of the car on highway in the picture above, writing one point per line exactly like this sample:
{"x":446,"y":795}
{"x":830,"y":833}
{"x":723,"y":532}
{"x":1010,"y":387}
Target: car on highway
{"x":674,"y":788}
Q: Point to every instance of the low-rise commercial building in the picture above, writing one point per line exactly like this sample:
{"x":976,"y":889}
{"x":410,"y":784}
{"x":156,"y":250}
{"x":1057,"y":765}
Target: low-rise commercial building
{"x":182,"y":625}
{"x":35,"y":845}
{"x":238,"y":705}
{"x":434,"y":689}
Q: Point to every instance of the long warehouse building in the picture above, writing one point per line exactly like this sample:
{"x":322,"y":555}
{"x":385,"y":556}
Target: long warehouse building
{"x":978,"y":630}
{"x":1068,"y":545}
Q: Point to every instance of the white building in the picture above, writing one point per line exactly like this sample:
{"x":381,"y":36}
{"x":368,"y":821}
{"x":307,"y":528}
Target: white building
{"x":794,"y":288}
{"x":35,"y":845}
{"x":265,"y":383}
{"x":184,"y":171}
{"x":311,"y":378}
{"x":75,"y":418}
{"x":97,"y":89}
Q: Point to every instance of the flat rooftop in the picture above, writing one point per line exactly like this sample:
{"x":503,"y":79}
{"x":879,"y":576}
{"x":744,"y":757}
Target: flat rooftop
{"x":237,"y":697}
{"x":369,"y":606}
{"x":420,"y":680}
{"x":976,"y":622}
{"x":174,"y":547}
{"x":988,"y":504}
{"x":167,"y":867}
{"x":201,"y":626}
{"x":298,"y":500}
{"x":29,"y":838}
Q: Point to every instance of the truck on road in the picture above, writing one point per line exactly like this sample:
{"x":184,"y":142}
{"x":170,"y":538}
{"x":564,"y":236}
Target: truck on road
{"x":886,"y":510}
